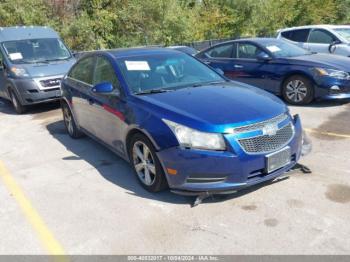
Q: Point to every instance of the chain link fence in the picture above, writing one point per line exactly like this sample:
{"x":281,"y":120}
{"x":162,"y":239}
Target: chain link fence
{"x":198,"y":45}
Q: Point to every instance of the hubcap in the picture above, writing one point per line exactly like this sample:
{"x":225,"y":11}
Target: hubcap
{"x":144,"y":163}
{"x":296,"y":90}
{"x":68,"y":120}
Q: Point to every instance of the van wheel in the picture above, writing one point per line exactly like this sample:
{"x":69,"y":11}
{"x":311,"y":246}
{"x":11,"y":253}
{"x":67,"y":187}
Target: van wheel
{"x":20,"y":109}
{"x":298,"y":90}
{"x":146,"y":164}
{"x":69,"y":122}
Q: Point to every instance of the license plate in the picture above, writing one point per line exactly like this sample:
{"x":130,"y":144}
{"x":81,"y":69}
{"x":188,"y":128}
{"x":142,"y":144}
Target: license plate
{"x":278,"y":159}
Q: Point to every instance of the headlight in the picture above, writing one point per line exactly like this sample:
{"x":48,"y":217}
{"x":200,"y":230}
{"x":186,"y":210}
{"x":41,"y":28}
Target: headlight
{"x":189,"y":137}
{"x":20,"y":72}
{"x":338,"y":74}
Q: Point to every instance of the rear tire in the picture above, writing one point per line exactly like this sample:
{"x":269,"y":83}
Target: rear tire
{"x":298,"y":90}
{"x":69,"y":122}
{"x":146,"y":164}
{"x":19,"y":108}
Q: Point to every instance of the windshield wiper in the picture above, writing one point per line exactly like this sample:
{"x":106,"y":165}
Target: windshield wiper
{"x":20,"y":62}
{"x":24,"y":61}
{"x":198,"y":84}
{"x":37,"y":61}
{"x":59,"y":59}
{"x":153,"y":91}
{"x":208,"y":83}
{"x":46,"y":61}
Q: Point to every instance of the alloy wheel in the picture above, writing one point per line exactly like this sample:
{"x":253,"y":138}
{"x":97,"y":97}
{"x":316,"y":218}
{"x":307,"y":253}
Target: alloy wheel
{"x":296,"y":90}
{"x":68,"y":119}
{"x":144,"y":163}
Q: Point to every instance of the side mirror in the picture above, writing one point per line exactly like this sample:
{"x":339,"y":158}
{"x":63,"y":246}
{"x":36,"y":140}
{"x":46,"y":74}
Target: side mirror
{"x":105,"y":88}
{"x":219,"y":70}
{"x":333,"y":46}
{"x":263,"y":57}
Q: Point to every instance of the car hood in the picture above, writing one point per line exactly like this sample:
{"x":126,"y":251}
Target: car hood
{"x":48,"y":69}
{"x":214,"y":108}
{"x":325,"y":60}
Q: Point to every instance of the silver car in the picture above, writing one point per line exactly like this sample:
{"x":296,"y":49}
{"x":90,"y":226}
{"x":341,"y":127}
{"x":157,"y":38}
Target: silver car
{"x":333,"y":39}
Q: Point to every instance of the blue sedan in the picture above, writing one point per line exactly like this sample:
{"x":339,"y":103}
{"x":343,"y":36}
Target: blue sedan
{"x":179,"y":122}
{"x":282,"y":68}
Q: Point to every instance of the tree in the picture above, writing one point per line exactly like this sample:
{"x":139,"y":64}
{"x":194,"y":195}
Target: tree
{"x":98,"y":24}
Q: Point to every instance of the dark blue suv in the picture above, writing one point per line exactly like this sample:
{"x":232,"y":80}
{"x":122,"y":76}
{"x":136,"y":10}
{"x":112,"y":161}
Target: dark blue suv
{"x":179,"y":122}
{"x":282,"y":68}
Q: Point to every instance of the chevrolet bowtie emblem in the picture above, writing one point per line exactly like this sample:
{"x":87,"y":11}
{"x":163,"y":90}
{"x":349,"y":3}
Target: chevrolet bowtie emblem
{"x":270,"y":129}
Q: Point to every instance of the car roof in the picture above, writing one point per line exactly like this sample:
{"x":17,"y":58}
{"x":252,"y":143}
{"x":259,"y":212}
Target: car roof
{"x":137,"y":51}
{"x":176,"y":46}
{"x":326,"y":26}
{"x":26,"y":32}
{"x":258,"y":40}
{"x":180,"y":47}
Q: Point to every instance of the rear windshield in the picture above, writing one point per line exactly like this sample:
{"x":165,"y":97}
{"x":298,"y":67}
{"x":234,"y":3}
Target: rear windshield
{"x":36,"y":50}
{"x":299,"y":35}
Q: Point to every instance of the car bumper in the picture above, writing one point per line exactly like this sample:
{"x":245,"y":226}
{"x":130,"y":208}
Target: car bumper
{"x":216,"y":171}
{"x":333,"y":89}
{"x":29,"y":92}
{"x":336,"y":96}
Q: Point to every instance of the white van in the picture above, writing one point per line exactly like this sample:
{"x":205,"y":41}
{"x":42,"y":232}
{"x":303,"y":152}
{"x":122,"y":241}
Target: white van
{"x":33,"y":60}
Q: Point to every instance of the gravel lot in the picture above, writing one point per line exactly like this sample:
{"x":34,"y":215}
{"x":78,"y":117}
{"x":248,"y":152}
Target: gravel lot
{"x":90,"y":201}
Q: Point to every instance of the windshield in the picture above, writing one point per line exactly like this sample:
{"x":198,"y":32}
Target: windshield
{"x":283,"y":49}
{"x":343,"y":32}
{"x":36,"y":50}
{"x":165,"y":72}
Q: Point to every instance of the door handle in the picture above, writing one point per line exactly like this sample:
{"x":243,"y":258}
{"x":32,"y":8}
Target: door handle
{"x":237,"y":66}
{"x":207,"y":62}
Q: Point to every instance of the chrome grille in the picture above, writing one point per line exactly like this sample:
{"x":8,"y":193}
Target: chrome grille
{"x":259,"y":126}
{"x":51,"y":82}
{"x":46,"y":83}
{"x":266,"y":143}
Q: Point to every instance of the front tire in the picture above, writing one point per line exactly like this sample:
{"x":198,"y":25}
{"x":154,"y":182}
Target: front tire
{"x":69,"y":122}
{"x":19,"y":108}
{"x":146,"y":164}
{"x":298,"y":90}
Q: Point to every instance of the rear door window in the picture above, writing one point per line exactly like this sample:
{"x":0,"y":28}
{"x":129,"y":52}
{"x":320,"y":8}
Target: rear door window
{"x":321,"y":36}
{"x":222,"y":51}
{"x":299,"y":35}
{"x":83,"y":70}
{"x":249,"y":51}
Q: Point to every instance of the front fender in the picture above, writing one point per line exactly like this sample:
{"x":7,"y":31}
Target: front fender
{"x":159,"y":132}
{"x":153,"y":127}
